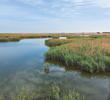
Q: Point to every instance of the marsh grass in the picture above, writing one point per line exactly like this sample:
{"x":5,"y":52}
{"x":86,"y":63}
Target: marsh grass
{"x":53,"y":92}
{"x":14,"y":37}
{"x":88,"y":36}
{"x":57,"y":42}
{"x":5,"y":37}
{"x":89,"y":55}
{"x":99,"y":36}
{"x":76,"y":36}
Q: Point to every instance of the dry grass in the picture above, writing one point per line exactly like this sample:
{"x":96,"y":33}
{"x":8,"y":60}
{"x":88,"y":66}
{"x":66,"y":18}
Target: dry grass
{"x":102,"y":43}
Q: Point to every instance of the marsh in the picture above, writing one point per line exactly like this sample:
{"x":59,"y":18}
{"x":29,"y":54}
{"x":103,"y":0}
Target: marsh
{"x":22,"y":64}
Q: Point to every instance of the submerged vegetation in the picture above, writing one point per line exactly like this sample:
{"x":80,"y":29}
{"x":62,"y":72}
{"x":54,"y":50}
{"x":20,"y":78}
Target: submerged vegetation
{"x":90,"y":55}
{"x":53,"y":92}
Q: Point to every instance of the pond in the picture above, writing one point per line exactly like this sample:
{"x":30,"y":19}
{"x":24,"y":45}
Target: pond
{"x":22,"y":65}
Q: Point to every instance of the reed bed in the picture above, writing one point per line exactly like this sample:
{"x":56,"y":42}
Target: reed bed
{"x":90,"y":55}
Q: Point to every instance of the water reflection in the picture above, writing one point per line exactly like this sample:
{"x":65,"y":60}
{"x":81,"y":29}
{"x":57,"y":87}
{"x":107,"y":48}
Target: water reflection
{"x":76,"y":69}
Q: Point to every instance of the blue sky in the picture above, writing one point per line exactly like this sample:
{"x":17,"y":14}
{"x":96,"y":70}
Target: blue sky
{"x":54,"y":16}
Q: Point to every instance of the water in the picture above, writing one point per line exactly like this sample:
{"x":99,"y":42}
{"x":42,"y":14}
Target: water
{"x":22,"y":64}
{"x":62,"y":37}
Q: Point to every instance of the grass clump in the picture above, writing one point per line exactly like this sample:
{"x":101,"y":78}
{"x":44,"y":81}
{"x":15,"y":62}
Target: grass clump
{"x":89,"y":56}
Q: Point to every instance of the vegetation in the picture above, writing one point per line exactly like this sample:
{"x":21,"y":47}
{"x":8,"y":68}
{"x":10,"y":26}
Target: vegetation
{"x":57,"y":42}
{"x":15,"y":37}
{"x":76,"y":36}
{"x":9,"y":39}
{"x":99,"y":36}
{"x":53,"y":92}
{"x":89,"y":55}
{"x":4,"y":37}
{"x":88,"y":36}
{"x":47,"y":68}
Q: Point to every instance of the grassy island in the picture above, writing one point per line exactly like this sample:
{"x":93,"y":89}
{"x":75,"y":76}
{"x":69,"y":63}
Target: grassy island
{"x":90,"y":55}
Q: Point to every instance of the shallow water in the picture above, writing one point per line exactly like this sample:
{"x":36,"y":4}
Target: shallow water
{"x":22,"y":64}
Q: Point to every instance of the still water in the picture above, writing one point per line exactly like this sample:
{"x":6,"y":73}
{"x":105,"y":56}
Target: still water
{"x":22,"y":64}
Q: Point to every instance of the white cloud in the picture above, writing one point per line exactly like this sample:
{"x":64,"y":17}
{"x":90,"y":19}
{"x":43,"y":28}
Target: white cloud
{"x":98,"y":3}
{"x":74,"y":1}
{"x":102,"y":3}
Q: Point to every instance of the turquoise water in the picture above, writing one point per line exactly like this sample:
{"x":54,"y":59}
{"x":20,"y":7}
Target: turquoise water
{"x":22,"y":65}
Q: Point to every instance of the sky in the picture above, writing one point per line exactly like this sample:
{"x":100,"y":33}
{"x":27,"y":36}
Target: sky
{"x":43,"y":16}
